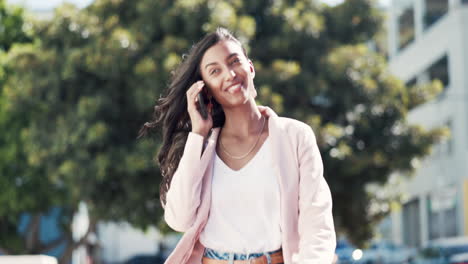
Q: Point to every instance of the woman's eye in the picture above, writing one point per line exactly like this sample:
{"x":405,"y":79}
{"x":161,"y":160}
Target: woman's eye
{"x":235,"y":60}
{"x":214,"y":71}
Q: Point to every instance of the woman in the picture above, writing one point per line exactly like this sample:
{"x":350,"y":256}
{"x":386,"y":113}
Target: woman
{"x":242,"y":183}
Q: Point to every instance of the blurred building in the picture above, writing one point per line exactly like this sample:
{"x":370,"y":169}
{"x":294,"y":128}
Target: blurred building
{"x":120,"y":241}
{"x":428,"y":39}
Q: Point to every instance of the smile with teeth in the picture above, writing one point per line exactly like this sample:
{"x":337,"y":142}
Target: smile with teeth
{"x":234,"y":88}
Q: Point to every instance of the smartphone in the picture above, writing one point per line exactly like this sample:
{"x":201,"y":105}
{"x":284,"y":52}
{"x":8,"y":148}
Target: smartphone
{"x":202,"y":104}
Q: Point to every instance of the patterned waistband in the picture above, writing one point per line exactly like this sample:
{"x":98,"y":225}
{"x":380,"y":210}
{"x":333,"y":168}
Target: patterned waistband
{"x":214,"y":254}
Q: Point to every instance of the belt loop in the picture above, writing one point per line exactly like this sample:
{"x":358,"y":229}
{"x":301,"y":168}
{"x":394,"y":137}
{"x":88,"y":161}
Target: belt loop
{"x":249,"y":260}
{"x":268,"y":257}
{"x":231,"y":258}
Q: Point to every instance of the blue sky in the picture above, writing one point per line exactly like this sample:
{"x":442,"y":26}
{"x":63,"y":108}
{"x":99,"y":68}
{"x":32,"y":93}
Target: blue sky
{"x":43,"y":5}
{"x":334,"y":2}
{"x":47,"y":4}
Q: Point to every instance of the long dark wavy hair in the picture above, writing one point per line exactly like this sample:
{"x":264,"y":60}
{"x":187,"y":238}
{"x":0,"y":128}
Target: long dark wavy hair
{"x":171,"y":113}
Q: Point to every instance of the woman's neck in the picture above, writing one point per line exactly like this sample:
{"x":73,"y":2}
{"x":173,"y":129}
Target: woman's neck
{"x":242,"y":121}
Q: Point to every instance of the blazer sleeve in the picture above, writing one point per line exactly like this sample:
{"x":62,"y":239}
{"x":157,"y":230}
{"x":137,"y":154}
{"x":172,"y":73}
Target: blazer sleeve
{"x":317,"y":238}
{"x":183,"y":196}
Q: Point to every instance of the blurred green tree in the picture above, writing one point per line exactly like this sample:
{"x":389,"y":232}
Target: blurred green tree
{"x":12,"y":26}
{"x":13,"y":200}
{"x":85,"y":88}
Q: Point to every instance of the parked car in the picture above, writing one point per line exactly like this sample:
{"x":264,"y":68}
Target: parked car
{"x":347,"y":253}
{"x":27,"y":259}
{"x":146,"y":259}
{"x":166,"y":246}
{"x":386,"y":252}
{"x":461,"y":258}
{"x":443,"y":251}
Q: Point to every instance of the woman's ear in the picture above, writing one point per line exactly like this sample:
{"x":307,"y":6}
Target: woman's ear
{"x":253,"y":92}
{"x":252,"y":68}
{"x":208,"y":91}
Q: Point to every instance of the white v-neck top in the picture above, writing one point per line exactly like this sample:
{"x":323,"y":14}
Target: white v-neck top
{"x":245,"y":206}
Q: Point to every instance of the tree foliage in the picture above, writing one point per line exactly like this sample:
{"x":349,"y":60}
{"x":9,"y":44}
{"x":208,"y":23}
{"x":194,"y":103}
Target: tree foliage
{"x":13,"y":200}
{"x":87,"y":85}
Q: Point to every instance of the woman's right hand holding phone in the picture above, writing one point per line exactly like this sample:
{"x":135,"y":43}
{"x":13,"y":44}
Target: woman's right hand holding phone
{"x":199,"y":125}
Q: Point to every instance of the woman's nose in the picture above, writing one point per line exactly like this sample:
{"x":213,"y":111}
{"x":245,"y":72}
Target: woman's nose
{"x":231,"y":74}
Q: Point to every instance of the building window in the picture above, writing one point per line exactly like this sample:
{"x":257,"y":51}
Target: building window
{"x":445,"y":148}
{"x":406,"y":27}
{"x":442,"y":212}
{"x":411,"y":224}
{"x":435,"y":9}
{"x":439,"y":70}
{"x":448,"y":144}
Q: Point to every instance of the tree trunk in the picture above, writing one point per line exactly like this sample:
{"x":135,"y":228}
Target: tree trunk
{"x":32,"y":234}
{"x":72,"y":245}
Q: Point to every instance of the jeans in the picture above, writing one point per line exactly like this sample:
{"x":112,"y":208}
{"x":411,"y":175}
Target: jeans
{"x":230,"y":256}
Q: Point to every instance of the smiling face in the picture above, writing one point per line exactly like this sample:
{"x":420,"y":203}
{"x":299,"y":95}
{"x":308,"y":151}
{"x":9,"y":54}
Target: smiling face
{"x":228,"y":74}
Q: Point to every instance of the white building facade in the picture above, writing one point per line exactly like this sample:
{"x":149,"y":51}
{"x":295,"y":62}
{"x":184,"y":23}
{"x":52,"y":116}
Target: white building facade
{"x":428,"y":39}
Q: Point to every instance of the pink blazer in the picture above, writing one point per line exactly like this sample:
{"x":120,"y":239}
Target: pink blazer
{"x":308,"y":234}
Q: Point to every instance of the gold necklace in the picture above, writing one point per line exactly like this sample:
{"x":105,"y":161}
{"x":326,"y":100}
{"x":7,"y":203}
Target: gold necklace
{"x":252,"y":148}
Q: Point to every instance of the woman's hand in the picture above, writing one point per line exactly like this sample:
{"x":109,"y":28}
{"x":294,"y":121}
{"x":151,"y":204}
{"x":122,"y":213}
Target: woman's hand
{"x":199,"y":125}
